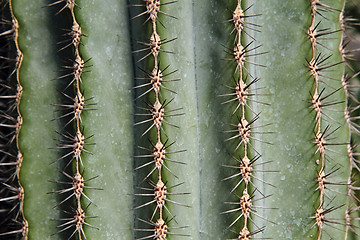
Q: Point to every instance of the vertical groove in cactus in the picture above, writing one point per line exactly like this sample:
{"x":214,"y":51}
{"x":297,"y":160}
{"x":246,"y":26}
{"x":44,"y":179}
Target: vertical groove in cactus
{"x":209,"y":34}
{"x":292,"y":162}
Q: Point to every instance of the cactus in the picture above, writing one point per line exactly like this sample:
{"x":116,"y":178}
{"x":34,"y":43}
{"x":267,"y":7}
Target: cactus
{"x":178,"y":120}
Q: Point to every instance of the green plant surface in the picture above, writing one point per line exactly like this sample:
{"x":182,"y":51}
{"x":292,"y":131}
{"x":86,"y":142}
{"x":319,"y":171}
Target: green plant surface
{"x":109,"y":83}
{"x":111,"y":134}
{"x":284,"y":182}
{"x":38,"y":134}
{"x":197,"y":52}
{"x":288,"y":84}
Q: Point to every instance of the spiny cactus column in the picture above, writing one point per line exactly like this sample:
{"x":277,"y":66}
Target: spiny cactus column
{"x":159,"y":113}
{"x":321,"y":105}
{"x":75,"y":142}
{"x":247,"y":157}
{"x":108,"y":131}
{"x":310,"y":143}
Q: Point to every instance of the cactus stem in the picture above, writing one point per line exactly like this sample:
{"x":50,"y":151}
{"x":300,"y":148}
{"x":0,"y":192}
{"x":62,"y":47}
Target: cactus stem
{"x":157,"y":114}
{"x":75,"y":142}
{"x":12,"y":122}
{"x":245,"y":131}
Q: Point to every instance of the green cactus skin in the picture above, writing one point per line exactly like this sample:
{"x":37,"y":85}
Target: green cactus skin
{"x":119,"y":170}
{"x":293,"y":150}
{"x":201,"y":29}
{"x":38,"y":131}
{"x":111,"y":123}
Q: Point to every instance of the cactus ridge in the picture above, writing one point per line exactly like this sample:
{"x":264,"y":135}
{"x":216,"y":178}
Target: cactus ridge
{"x":351,"y":212}
{"x":157,"y":115}
{"x":245,"y":129}
{"x":322,"y":104}
{"x":74,"y":143}
{"x":11,"y":122}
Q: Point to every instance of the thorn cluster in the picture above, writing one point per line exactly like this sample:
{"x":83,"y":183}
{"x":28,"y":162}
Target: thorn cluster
{"x":13,"y":222}
{"x":244,"y":130}
{"x":75,"y":142}
{"x":157,"y":115}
